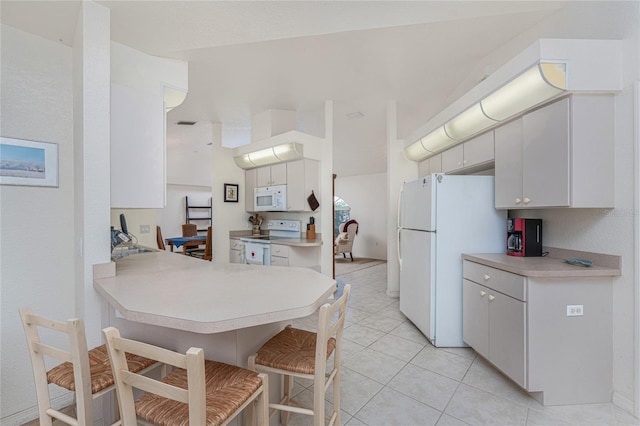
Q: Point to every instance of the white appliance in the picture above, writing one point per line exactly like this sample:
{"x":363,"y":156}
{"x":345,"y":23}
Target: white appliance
{"x":439,"y":218}
{"x":257,"y":249}
{"x":270,"y":198}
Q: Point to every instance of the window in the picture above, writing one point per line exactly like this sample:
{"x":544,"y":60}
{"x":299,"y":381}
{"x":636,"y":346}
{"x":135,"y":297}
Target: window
{"x":341,"y":215}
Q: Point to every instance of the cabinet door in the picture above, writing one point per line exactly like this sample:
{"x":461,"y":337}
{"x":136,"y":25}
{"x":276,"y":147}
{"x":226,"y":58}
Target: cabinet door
{"x":508,"y":169}
{"x":296,"y":200}
{"x":263,"y":176}
{"x":507,"y":346}
{"x":452,"y":159}
{"x":435,"y":164}
{"x":235,"y":256}
{"x":138,"y":148}
{"x":249,"y":186}
{"x":545,"y":156}
{"x":475,"y":317}
{"x":478,"y":150}
{"x":279,"y":174}
{"x":423,"y":168}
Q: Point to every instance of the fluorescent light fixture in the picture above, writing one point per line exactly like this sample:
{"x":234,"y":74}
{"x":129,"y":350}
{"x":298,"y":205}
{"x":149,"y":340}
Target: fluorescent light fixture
{"x":276,"y":154}
{"x":467,"y":123}
{"x":536,"y":85}
{"x":540,"y":83}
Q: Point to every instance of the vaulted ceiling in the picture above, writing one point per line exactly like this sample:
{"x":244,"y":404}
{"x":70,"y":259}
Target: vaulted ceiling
{"x":247,"y":57}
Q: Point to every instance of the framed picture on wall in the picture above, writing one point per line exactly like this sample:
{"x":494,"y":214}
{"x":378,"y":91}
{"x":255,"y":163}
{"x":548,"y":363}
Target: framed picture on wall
{"x":230,"y":193}
{"x":28,"y":163}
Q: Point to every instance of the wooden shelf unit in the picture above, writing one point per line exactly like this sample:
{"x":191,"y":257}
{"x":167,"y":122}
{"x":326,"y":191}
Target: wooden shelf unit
{"x":202,"y":213}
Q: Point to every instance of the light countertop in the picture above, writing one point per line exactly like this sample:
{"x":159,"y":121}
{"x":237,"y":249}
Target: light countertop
{"x":553,"y":265}
{"x":186,"y":293}
{"x":294,"y":242}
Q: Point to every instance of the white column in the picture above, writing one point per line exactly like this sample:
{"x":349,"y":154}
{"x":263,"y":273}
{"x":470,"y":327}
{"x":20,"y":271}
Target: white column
{"x":399,"y":170}
{"x":91,"y":57}
{"x":326,"y":200}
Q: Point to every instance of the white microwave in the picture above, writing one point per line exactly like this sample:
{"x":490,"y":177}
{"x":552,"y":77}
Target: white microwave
{"x":270,"y":198}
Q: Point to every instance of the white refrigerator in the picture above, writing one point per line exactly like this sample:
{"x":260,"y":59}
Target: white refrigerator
{"x":439,"y":218}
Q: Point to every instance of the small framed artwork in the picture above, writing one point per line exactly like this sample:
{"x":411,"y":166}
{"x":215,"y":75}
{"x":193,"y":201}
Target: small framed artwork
{"x":28,"y":163}
{"x":230,"y":193}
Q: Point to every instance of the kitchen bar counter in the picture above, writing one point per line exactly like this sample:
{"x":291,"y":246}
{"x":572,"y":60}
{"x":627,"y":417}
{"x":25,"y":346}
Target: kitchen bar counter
{"x":552,"y":265}
{"x":294,"y":242}
{"x":185,"y":293}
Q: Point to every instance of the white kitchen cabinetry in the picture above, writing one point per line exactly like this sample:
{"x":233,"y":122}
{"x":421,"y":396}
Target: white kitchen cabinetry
{"x":521,"y":324}
{"x":494,"y":321}
{"x":473,"y":155}
{"x":279,"y":255}
{"x":249,"y":185}
{"x":138,"y":178}
{"x":276,"y":174}
{"x":303,"y":176}
{"x":560,"y":155}
{"x":430,"y":165}
{"x":235,"y":251}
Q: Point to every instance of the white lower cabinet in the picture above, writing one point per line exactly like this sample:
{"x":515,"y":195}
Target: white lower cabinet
{"x":279,"y":255}
{"x":522,"y":325}
{"x":235,"y":251}
{"x":494,"y":325}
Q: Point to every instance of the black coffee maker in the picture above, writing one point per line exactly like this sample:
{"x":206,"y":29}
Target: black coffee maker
{"x":524,"y":237}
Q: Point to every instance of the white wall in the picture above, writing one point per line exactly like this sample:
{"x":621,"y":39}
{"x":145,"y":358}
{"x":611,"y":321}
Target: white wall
{"x":366,"y":196}
{"x":37,"y":224}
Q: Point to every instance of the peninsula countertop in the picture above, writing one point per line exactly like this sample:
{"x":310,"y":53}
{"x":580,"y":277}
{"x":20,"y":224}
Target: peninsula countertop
{"x":553,"y":265}
{"x":186,"y":293}
{"x":294,"y":242}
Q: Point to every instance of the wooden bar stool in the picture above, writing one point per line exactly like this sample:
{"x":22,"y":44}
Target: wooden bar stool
{"x":87,"y":373}
{"x":300,"y":353}
{"x":198,"y":392}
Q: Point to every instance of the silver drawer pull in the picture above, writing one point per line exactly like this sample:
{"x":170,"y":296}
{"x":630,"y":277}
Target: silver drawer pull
{"x":491,"y":298}
{"x":486,"y":277}
{"x":483,"y":293}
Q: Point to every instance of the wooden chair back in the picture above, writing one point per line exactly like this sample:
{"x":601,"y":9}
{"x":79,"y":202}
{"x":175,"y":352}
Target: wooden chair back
{"x":159,"y":239}
{"x":77,"y":354}
{"x":208,"y":247}
{"x":189,"y":230}
{"x":194,"y":394}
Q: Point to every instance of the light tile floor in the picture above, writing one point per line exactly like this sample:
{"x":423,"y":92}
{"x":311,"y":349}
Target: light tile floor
{"x":392,"y":375}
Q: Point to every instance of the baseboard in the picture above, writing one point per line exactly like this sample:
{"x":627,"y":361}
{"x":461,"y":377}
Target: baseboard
{"x":393,"y":293}
{"x":31,"y":413}
{"x":624,"y":403}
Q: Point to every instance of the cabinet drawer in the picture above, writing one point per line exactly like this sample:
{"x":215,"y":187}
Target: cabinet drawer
{"x":505,"y":282}
{"x":279,"y":261}
{"x":235,"y":244}
{"x":280,"y":251}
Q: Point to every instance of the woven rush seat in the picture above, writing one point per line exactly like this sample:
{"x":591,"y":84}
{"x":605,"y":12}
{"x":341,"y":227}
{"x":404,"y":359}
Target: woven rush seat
{"x":307,"y":355}
{"x":100,"y":369}
{"x":293,"y":350}
{"x":227,"y":388}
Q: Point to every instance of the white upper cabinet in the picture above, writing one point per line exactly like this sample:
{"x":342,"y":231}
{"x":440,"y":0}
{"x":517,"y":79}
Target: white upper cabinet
{"x":276,"y":174}
{"x":473,"y":155}
{"x":430,"y":165}
{"x":560,"y":155}
{"x":137,"y":148}
{"x":303,"y":176}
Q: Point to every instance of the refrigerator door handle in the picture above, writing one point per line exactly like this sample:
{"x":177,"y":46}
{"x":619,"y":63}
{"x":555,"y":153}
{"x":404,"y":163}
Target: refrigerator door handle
{"x":398,"y":249}
{"x":399,"y":204}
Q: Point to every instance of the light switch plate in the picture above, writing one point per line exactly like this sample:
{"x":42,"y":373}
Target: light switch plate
{"x":575,"y":310}
{"x":145,"y":229}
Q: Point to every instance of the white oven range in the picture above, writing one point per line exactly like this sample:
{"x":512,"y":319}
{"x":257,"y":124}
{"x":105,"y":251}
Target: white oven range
{"x":257,"y":249}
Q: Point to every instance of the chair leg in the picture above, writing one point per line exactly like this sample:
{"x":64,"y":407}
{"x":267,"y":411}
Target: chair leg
{"x":351,"y":254}
{"x":344,"y":255}
{"x":288,"y":388}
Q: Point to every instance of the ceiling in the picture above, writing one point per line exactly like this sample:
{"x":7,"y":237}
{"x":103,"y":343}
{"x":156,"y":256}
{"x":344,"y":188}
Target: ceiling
{"x":248,"y":57}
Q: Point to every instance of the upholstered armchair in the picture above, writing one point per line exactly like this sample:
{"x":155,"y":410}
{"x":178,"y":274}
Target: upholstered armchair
{"x":344,"y":242}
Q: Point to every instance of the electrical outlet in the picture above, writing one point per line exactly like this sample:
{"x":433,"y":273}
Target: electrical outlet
{"x":145,"y":229}
{"x":575,"y":310}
